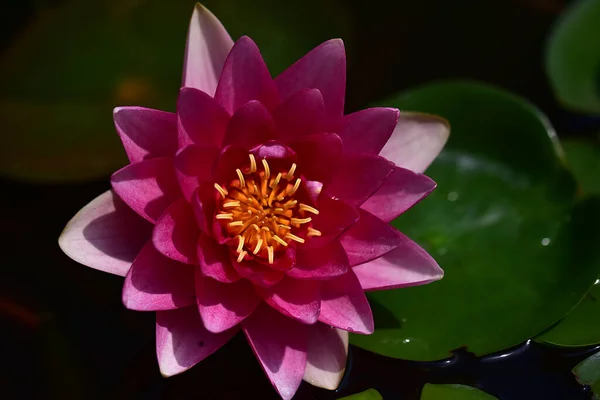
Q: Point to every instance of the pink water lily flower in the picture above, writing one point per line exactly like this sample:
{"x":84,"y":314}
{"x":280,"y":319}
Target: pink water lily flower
{"x":260,"y":207}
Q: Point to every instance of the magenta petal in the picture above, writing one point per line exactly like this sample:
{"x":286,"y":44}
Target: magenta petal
{"x":250,"y":125}
{"x":215,"y":261}
{"x":279,"y":344}
{"x":156,"y":282}
{"x":194,"y":164}
{"x":245,"y":77}
{"x":301,"y":114}
{"x":367,"y":131}
{"x":406,"y":265}
{"x":257,"y":273}
{"x":273,"y":150}
{"x":416,"y":141}
{"x":295,"y":298}
{"x":323,"y":68}
{"x":230,"y":158}
{"x":401,"y":190}
{"x":345,"y":306}
{"x":201,"y":120}
{"x":148,"y":187}
{"x":208,"y":44}
{"x":175,"y":234}
{"x":358,"y":177}
{"x":318,"y":155}
{"x":146,"y":133}
{"x":203,"y":205}
{"x":335,"y":217}
{"x":224,"y":305}
{"x":182,"y":341}
{"x":106,"y":235}
{"x":369,"y":238}
{"x":327,"y":262}
{"x":326,"y":355}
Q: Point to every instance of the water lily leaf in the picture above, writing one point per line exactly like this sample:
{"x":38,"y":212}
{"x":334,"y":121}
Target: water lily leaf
{"x":573,"y":57}
{"x":71,"y":65}
{"x":583,"y":157}
{"x":453,"y":392}
{"x":370,"y":394}
{"x":588,"y":373}
{"x":517,"y":256}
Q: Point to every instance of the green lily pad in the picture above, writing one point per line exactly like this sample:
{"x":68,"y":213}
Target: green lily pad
{"x":573,"y":57}
{"x":588,"y":373}
{"x":517,"y":254}
{"x":73,"y":63}
{"x":453,"y":392}
{"x":370,"y":394}
{"x":583,"y":157}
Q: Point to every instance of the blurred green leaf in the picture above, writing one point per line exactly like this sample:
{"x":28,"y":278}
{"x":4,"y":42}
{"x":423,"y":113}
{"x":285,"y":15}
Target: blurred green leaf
{"x":453,"y":392}
{"x":588,"y":373}
{"x":573,"y":57}
{"x":370,"y":394}
{"x":517,"y":256}
{"x":74,"y":62}
{"x":583,"y":157}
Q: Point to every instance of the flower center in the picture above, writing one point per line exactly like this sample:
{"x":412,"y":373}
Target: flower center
{"x":261,"y":210}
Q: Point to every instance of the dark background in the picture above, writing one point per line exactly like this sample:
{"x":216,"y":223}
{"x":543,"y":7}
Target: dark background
{"x":64,"y":333}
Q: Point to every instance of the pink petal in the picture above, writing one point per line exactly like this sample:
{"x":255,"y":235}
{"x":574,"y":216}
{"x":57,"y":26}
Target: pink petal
{"x":367,"y":131}
{"x":194,"y":164}
{"x":182,"y":341}
{"x":257,"y":273}
{"x":358,"y":177}
{"x":146,"y":133}
{"x":250,"y":125}
{"x":401,"y":190}
{"x":224,"y":305}
{"x":214,"y":260}
{"x":326,"y":355}
{"x":416,"y":141}
{"x":245,"y":77}
{"x":105,"y":235}
{"x":203,"y":205}
{"x":201,"y":120}
{"x":279,"y":343}
{"x":335,"y":217}
{"x":323,"y":68}
{"x":345,"y":306}
{"x":318,"y":155}
{"x":148,"y":187}
{"x":301,"y":114}
{"x":156,"y":282}
{"x":326,"y":262}
{"x":175,"y":234}
{"x":407,"y":265}
{"x":230,"y":158}
{"x":273,"y":150}
{"x":370,"y":238}
{"x":294,"y":298}
{"x":208,"y":44}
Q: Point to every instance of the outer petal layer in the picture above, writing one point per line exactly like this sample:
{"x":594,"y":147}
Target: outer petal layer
{"x":208,"y":44}
{"x":296,"y":299}
{"x":407,"y":265}
{"x":416,"y":141}
{"x":301,"y":114}
{"x":182,"y":341}
{"x":201,"y":120}
{"x":105,"y":234}
{"x":175,"y":234}
{"x":367,"y":131}
{"x":327,"y":262}
{"x":323,"y":68}
{"x":279,"y":344}
{"x":156,"y":282}
{"x":327,"y":352}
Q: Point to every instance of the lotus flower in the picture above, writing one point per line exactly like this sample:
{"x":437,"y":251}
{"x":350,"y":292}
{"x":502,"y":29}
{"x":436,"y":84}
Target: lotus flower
{"x":259,"y":206}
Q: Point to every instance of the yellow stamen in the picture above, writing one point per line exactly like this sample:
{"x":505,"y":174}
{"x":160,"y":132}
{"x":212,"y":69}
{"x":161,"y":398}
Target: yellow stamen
{"x":225,"y":216}
{"x":240,"y":244}
{"x":241,"y":256}
{"x":304,"y":207}
{"x":313,"y":232}
{"x":255,"y":227}
{"x":258,"y":246}
{"x":290,"y":173}
{"x":241,"y":177}
{"x":294,"y":188}
{"x":300,"y":221}
{"x":271,"y":254}
{"x":252,"y":163}
{"x":230,"y":204}
{"x":279,"y":240}
{"x":221,"y":190}
{"x":284,"y":227}
{"x":236,"y":223}
{"x":294,"y":237}
{"x":275,"y":183}
{"x":267,"y":169}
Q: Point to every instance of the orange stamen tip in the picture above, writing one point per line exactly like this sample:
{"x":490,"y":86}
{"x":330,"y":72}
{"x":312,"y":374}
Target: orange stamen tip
{"x":294,"y":237}
{"x":240,"y":244}
{"x":300,"y":221}
{"x":252,"y":163}
{"x":307,"y":208}
{"x":290,"y":173}
{"x":279,"y":240}
{"x":236,"y":223}
{"x":222,"y":191}
{"x":313,"y":232}
{"x":225,"y":216}
{"x":267,"y":169}
{"x":229,"y":204}
{"x":240,"y":177}
{"x":241,"y":256}
{"x":271,"y":253}
{"x":258,"y":246}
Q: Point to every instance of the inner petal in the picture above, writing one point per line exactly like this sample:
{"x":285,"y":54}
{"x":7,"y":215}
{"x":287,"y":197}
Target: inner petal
{"x":263,"y":210}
